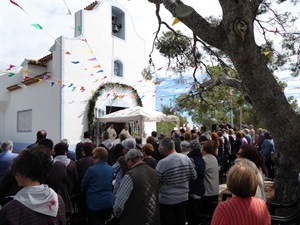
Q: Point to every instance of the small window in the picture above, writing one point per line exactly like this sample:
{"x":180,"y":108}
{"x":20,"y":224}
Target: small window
{"x":118,"y":23}
{"x":118,"y":68}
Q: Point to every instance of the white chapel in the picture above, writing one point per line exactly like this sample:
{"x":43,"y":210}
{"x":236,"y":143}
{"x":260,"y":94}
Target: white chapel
{"x":94,"y":73}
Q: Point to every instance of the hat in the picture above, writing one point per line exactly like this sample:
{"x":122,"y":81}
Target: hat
{"x":133,"y":154}
{"x":194,"y":145}
{"x":128,"y":143}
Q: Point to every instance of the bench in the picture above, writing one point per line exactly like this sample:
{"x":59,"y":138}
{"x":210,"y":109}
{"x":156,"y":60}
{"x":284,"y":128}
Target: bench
{"x":292,"y":218}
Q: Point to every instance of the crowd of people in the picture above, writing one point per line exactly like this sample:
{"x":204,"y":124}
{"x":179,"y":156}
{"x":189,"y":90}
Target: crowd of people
{"x":169,"y":180}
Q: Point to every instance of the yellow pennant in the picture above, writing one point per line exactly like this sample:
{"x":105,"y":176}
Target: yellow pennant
{"x":176,"y":20}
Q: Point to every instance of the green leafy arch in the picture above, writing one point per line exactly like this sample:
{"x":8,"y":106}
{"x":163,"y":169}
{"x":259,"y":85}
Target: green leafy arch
{"x":99,"y":91}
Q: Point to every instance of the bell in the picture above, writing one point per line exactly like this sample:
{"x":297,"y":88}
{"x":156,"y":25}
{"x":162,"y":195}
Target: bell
{"x":115,"y":29}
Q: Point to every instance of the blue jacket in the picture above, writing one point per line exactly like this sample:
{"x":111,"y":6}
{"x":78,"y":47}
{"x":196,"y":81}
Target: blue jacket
{"x":6,"y":158}
{"x":97,"y":184}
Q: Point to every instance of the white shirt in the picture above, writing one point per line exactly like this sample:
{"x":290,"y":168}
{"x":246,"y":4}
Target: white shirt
{"x":112,"y":133}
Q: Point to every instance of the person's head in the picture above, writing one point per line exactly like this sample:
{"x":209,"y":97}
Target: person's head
{"x":128,"y":144}
{"x":203,"y":129}
{"x":215,"y":137}
{"x":166,"y":146}
{"x":242,"y":178}
{"x":86,"y":134}
{"x":251,"y":152}
{"x":231,"y":131}
{"x":41,"y":134}
{"x":154,"y":134}
{"x":87,"y":148}
{"x":182,"y":131}
{"x":100,"y":154}
{"x":208,"y":147}
{"x":160,"y":137}
{"x":239,"y":135}
{"x":60,"y":149}
{"x":31,"y":166}
{"x":112,"y":126}
{"x":251,"y":127}
{"x":133,"y":156}
{"x":105,"y":135}
{"x":125,"y":127}
{"x":147,"y":149}
{"x":65,"y":141}
{"x":7,"y":145}
{"x":122,"y":137}
{"x":219,"y":133}
{"x":46,"y":145}
{"x":188,"y":136}
{"x":267,"y":135}
{"x":138,"y":140}
{"x":150,"y":140}
{"x":246,"y":131}
{"x":194,"y":146}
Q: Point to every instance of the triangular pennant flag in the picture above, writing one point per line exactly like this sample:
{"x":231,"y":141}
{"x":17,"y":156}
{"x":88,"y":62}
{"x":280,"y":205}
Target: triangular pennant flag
{"x":75,"y":62}
{"x":100,"y":71}
{"x":26,"y":77}
{"x":95,"y":81}
{"x":73,"y":88}
{"x":40,"y":80}
{"x":45,"y":77}
{"x":70,"y":85}
{"x":97,"y":66}
{"x":176,"y":20}
{"x":26,"y":71}
{"x":82,"y":89}
{"x":93,"y":59}
{"x":67,"y":53}
{"x":62,"y":86}
{"x":37,"y":26}
{"x":78,"y":28}
{"x":13,"y":2}
{"x":58,"y":82}
{"x":11,"y":74}
{"x":10,"y":67}
{"x":52,"y":83}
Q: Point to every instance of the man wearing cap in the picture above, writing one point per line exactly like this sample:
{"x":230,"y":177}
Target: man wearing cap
{"x":136,"y":201}
{"x":174,"y":173}
{"x":120,"y":167}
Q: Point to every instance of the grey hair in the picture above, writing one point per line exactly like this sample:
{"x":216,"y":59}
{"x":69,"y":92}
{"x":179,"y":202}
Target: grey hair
{"x":167,"y":144}
{"x":105,"y":135}
{"x":6,"y":144}
{"x":65,"y":141}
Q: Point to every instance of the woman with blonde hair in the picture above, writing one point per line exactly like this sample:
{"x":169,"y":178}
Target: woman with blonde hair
{"x":243,"y":207}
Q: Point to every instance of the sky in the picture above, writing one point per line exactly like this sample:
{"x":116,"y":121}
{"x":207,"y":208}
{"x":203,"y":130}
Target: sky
{"x":20,"y":40}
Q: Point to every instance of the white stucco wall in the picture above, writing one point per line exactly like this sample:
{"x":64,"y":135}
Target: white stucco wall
{"x":106,"y":48}
{"x":62,"y":110}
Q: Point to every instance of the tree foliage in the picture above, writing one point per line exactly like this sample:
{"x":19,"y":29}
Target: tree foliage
{"x":247,"y":62}
{"x":167,"y":127}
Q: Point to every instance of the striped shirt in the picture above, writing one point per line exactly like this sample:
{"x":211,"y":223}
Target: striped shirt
{"x":174,"y":173}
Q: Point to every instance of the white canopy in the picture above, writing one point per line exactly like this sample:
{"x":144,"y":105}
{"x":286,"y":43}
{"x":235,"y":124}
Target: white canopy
{"x":138,"y":114}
